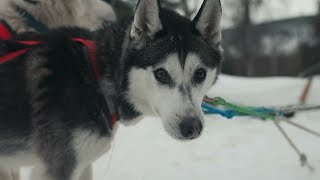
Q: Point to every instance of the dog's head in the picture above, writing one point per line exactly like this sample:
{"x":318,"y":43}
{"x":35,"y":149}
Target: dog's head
{"x":170,"y":63}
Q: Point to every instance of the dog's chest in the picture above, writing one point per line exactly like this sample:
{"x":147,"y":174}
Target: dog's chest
{"x":90,"y":146}
{"x":23,"y":158}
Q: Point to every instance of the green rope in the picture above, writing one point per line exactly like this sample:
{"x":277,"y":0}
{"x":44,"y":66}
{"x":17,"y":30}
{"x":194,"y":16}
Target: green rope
{"x":274,"y":114}
{"x":218,"y":101}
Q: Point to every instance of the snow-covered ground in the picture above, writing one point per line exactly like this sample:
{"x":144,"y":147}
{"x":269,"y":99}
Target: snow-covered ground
{"x":238,"y":149}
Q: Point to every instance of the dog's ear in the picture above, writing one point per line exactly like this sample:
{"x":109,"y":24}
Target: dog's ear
{"x":207,"y":22}
{"x":146,"y":22}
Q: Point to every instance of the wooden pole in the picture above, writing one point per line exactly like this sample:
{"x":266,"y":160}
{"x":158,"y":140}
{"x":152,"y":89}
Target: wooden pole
{"x":306,"y":91}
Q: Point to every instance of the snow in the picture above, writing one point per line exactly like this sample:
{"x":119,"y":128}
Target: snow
{"x":242,"y":148}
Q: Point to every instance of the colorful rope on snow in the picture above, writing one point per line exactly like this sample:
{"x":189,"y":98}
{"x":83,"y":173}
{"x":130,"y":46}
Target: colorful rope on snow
{"x":229,"y":110}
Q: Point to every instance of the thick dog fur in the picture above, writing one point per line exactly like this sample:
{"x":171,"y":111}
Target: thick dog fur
{"x":160,"y":64}
{"x":56,"y":13}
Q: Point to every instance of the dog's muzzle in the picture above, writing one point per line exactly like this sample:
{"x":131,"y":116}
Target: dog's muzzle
{"x":191,"y":128}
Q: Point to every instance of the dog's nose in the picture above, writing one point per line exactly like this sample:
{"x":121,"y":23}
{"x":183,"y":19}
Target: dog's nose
{"x":191,"y":128}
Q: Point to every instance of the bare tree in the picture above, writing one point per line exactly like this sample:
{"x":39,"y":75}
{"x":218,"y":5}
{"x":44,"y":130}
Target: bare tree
{"x":242,"y":19}
{"x":318,"y":29}
{"x":123,"y":9}
{"x":242,"y":10}
{"x":245,"y":23}
{"x":183,"y":5}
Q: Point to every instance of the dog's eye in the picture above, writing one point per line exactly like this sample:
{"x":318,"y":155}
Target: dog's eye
{"x":162,"y":76}
{"x":200,"y":75}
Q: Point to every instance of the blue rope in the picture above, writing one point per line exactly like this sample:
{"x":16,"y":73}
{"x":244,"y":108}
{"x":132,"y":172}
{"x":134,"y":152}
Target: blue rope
{"x":209,"y":109}
{"x":228,"y":113}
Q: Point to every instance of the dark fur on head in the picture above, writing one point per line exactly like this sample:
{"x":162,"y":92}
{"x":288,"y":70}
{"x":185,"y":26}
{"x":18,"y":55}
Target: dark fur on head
{"x":177,"y":34}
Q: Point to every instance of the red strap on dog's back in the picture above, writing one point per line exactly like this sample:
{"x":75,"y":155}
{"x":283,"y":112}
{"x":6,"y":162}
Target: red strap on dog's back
{"x":12,"y":55}
{"x":30,"y":43}
{"x":5,"y":32}
{"x":89,"y":44}
{"x":114,"y":118}
{"x":92,"y":47}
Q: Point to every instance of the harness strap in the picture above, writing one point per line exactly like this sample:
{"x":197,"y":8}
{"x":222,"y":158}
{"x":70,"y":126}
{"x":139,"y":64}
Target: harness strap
{"x":12,"y":55}
{"x":29,"y":43}
{"x":114,"y":118}
{"x":89,"y":44}
{"x":5,"y":31}
{"x":92,"y":47}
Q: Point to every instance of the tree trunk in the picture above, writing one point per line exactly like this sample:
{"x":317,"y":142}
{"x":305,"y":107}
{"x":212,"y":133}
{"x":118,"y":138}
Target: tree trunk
{"x":246,"y":4}
{"x":246,"y":24}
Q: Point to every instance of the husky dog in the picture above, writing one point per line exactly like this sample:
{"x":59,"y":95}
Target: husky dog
{"x":159,"y":64}
{"x":55,"y":13}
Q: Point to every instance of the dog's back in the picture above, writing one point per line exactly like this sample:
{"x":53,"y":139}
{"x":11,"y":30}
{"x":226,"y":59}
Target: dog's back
{"x":88,"y":14}
{"x":15,"y":125}
{"x":41,"y":86}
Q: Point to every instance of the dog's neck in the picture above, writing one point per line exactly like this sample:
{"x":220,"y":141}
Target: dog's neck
{"x":111,"y":51}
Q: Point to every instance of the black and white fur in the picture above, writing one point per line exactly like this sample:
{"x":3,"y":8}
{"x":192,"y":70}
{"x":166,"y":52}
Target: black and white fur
{"x":90,"y":14}
{"x":159,"y":64}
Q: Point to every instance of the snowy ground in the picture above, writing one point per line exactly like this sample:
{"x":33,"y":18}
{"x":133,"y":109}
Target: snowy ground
{"x":242,"y":149}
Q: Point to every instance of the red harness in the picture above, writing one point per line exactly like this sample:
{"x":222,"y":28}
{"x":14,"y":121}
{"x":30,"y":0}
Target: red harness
{"x":5,"y":32}
{"x":89,"y":44}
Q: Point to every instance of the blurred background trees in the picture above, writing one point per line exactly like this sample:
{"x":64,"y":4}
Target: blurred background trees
{"x":124,"y":8}
{"x":243,"y":9}
{"x":273,"y":46}
{"x":242,"y":19}
{"x":317,"y":24}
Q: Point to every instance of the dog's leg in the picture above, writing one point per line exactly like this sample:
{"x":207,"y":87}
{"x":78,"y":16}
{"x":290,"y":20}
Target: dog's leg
{"x":37,"y":173}
{"x":87,"y":173}
{"x":5,"y":174}
{"x":15,"y":175}
{"x":41,"y":173}
{"x":61,"y":168}
{"x":9,"y":174}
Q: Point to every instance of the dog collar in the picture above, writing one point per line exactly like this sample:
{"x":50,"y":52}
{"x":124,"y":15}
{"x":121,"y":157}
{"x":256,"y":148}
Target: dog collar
{"x":109,"y":113}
